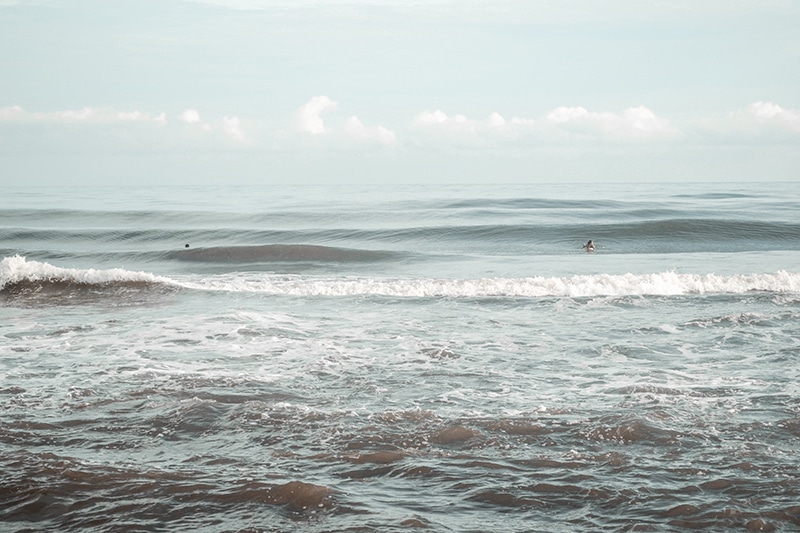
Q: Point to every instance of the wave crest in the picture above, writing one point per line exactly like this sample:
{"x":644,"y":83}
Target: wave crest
{"x":20,"y":277}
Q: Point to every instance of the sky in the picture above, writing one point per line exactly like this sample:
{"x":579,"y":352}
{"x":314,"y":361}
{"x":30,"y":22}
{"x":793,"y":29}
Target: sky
{"x":187,"y":92}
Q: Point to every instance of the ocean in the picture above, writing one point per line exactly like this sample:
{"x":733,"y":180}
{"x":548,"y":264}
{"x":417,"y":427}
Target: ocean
{"x":386,"y":358}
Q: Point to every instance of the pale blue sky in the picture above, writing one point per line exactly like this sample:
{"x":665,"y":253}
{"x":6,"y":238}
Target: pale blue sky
{"x":338,"y":91}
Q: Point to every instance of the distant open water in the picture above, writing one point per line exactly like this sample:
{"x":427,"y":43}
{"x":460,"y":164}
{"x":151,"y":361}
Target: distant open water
{"x":390,"y":358}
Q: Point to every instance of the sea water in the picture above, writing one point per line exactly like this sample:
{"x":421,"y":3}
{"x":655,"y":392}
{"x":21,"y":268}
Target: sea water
{"x":382,"y":358}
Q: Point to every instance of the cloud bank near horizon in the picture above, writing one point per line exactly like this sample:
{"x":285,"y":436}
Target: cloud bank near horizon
{"x":563,"y":124}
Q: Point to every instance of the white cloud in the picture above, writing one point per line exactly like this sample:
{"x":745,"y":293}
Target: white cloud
{"x":457,"y":124}
{"x":559,"y":124}
{"x":122,"y":127}
{"x":11,"y":112}
{"x":136,"y":116}
{"x":641,"y":121}
{"x":428,"y":118}
{"x":496,"y":120}
{"x":633,"y":123}
{"x":87,"y":115}
{"x":523,"y":122}
{"x":561,"y":115}
{"x":80,"y":115}
{"x":190,"y":116}
{"x":766,"y":112}
{"x":232,"y":126}
{"x":130,"y":116}
{"x":308,"y":117}
{"x":355,"y":128}
{"x":494,"y":133}
{"x":760,"y":122}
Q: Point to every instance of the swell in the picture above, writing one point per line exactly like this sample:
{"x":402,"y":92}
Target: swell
{"x":658,"y":236}
{"x":277,"y":253}
{"x":666,"y":235}
{"x":707,"y":230}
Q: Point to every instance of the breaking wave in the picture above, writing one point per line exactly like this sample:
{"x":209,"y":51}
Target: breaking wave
{"x":20,"y":276}
{"x":17,"y":269}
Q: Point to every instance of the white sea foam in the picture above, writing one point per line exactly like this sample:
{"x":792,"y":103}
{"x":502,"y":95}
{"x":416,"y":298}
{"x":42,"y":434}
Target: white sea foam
{"x":659,"y":284}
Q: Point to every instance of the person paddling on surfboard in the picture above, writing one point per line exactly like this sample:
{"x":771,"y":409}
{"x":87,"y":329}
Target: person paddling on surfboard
{"x":589,"y":246}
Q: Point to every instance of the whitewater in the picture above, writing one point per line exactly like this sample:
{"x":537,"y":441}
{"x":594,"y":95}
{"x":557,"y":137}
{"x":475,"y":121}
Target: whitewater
{"x":16,"y":271}
{"x":382,"y":358}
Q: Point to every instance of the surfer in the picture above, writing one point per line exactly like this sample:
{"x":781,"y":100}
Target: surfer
{"x":589,"y":246}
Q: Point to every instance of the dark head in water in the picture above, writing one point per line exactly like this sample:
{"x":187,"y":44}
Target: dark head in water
{"x":589,"y":246}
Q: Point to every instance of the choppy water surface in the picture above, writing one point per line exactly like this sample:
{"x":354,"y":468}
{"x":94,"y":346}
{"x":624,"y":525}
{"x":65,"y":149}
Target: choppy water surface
{"x":411,"y":358}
